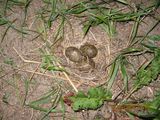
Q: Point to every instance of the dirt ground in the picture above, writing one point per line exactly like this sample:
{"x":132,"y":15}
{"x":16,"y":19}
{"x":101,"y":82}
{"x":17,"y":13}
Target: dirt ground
{"x":21,"y":56}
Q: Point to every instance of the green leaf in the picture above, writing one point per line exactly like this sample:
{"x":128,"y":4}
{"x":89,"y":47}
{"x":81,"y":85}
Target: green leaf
{"x":148,"y":72}
{"x":3,"y":21}
{"x":80,"y":94}
{"x":129,"y":50}
{"x":94,"y":92}
{"x":124,"y":74}
{"x":94,"y":99}
{"x":154,"y":37}
{"x":77,"y":10}
{"x":47,"y":63}
{"x":113,"y":73}
{"x":99,"y":93}
{"x":86,"y":103}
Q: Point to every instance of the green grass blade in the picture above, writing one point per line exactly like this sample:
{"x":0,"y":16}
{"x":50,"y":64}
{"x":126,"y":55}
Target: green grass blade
{"x":147,"y":73}
{"x":130,"y":50}
{"x":53,"y":12}
{"x":47,"y":64}
{"x":26,"y":86}
{"x":3,"y":21}
{"x":63,"y":108}
{"x":3,"y":36}
{"x":113,"y":73}
{"x":157,"y":3}
{"x":154,"y":26}
{"x":46,"y":98}
{"x":39,"y":108}
{"x":86,"y":27}
{"x":54,"y":103}
{"x":124,"y":74}
{"x":109,"y":29}
{"x":18,"y":30}
{"x":27,"y":3}
{"x":130,"y":116}
{"x":60,"y":31}
{"x":154,"y":37}
{"x":80,"y":8}
{"x":123,"y":2}
{"x":47,"y":113}
{"x":134,"y":31}
{"x":152,"y":47}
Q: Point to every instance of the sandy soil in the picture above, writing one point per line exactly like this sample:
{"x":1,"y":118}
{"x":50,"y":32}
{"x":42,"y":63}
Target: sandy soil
{"x":20,"y":59}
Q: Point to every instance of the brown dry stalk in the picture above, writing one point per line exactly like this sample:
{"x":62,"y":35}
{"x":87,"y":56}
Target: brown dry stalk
{"x":31,"y":77}
{"x":43,"y":74}
{"x":36,"y":62}
{"x":27,"y":61}
{"x":127,"y":107}
{"x":69,"y":80}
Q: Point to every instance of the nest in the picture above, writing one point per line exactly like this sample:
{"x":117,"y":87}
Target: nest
{"x":76,"y":38}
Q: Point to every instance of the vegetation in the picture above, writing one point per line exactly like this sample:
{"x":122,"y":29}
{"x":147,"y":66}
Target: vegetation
{"x":91,"y":13}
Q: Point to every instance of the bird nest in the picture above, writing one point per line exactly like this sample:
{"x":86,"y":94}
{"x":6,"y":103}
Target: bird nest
{"x":76,"y":39}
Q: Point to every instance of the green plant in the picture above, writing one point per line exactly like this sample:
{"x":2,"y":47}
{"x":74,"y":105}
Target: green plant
{"x":51,"y":97}
{"x":91,"y":13}
{"x":47,"y":64}
{"x":120,"y":63}
{"x":8,"y":6}
{"x":94,"y":98}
